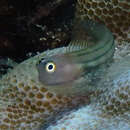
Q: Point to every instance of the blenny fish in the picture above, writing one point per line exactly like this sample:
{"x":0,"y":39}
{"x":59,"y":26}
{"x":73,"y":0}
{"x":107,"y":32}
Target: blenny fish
{"x":80,"y":56}
{"x":38,"y":89}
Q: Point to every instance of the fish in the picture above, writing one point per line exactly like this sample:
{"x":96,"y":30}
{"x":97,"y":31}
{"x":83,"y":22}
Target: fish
{"x":80,"y":56}
{"x":28,"y":102}
{"x":41,"y":89}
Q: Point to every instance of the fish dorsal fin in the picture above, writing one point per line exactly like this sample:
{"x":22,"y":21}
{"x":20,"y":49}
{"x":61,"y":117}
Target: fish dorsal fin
{"x":77,"y":45}
{"x":83,"y":35}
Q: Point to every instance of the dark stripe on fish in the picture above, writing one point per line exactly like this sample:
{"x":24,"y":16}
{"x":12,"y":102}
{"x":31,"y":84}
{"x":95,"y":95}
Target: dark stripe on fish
{"x":111,"y":49}
{"x":103,"y":42}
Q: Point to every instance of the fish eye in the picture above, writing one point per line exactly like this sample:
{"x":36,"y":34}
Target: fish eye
{"x":50,"y":67}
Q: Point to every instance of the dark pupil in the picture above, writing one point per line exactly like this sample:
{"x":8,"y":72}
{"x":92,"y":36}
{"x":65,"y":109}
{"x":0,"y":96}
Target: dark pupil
{"x":50,"y":67}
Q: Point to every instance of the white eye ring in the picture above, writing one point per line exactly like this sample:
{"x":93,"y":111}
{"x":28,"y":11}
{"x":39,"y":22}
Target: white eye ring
{"x":50,"y":67}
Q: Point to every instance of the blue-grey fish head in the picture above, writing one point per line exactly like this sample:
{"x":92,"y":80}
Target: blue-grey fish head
{"x":58,"y":70}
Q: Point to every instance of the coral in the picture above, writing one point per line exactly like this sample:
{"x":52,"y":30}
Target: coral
{"x":88,"y":118}
{"x":27,"y":104}
{"x":117,"y":101}
{"x":114,"y":13}
{"x":109,"y":112}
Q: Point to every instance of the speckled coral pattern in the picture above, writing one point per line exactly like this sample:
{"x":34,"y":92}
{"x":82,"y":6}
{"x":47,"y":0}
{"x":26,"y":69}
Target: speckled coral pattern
{"x":27,"y":104}
{"x":112,"y":110}
{"x":117,"y":102}
{"x":115,"y":14}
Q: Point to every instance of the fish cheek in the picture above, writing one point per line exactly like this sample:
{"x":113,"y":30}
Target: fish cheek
{"x":71,"y":72}
{"x":50,"y":78}
{"x":42,"y":74}
{"x":64,"y":73}
{"x":60,"y":76}
{"x":45,"y":77}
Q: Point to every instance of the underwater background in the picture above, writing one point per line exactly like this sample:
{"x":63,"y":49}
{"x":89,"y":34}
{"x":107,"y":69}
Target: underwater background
{"x":33,"y":31}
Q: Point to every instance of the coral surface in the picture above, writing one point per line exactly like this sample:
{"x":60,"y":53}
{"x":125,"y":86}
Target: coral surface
{"x":114,"y":13}
{"x":27,"y":104}
{"x":112,"y":109}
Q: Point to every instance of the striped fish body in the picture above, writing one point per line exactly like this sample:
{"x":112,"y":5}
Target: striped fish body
{"x":61,"y":72}
{"x":97,"y":49}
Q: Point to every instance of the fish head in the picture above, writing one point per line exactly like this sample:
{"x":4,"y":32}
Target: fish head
{"x":58,"y":70}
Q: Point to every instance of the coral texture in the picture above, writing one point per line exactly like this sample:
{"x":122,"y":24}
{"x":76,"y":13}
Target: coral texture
{"x":114,"y":13}
{"x":109,"y":112}
{"x":27,"y":104}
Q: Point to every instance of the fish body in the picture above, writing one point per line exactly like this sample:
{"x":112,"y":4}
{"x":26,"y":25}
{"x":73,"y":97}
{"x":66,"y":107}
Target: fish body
{"x":79,"y":56}
{"x":99,"y":46}
{"x":32,"y":94}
